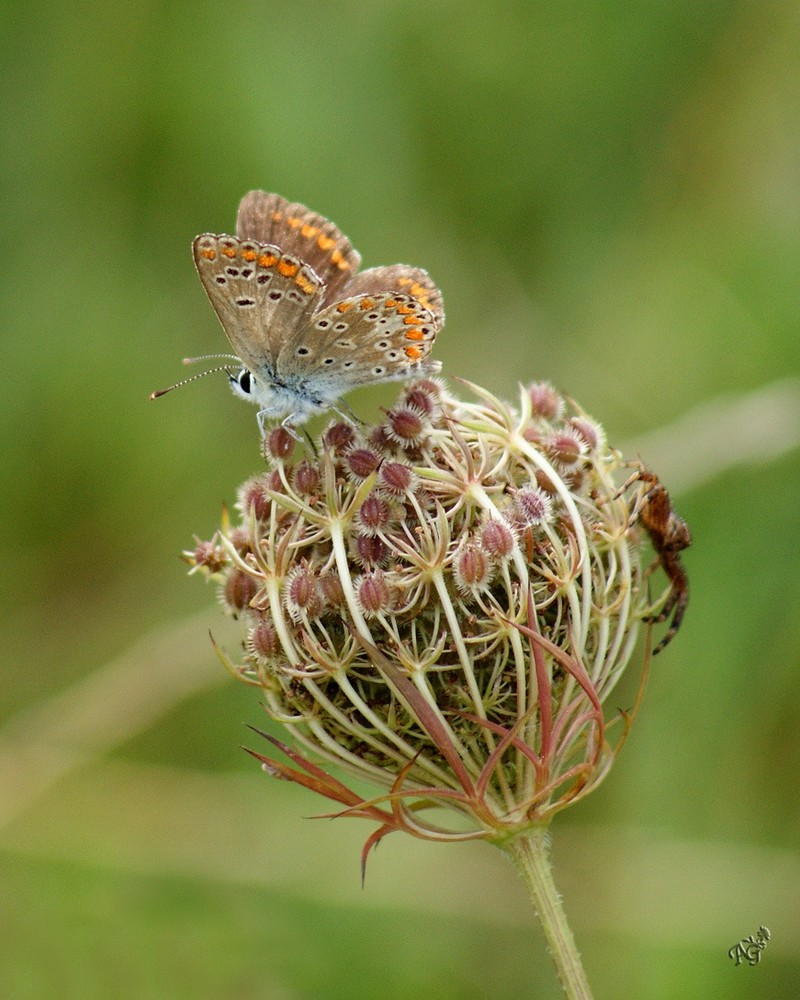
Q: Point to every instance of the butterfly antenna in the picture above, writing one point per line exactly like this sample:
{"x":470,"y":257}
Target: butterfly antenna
{"x":194,"y":378}
{"x":210,"y":357}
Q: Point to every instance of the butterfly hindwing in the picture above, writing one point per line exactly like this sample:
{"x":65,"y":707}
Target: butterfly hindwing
{"x":401,"y":278}
{"x":360,"y":340}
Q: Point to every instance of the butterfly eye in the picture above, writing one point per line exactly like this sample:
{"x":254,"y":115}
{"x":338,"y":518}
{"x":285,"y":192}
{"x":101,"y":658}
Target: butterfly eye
{"x":242,"y":383}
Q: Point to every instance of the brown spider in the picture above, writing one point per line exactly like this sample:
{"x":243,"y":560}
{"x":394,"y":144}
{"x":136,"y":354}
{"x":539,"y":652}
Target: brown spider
{"x":669,"y":536}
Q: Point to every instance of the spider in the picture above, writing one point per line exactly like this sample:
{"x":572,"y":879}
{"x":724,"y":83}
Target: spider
{"x":669,"y":536}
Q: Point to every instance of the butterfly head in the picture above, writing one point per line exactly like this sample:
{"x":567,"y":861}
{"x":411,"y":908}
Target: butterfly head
{"x":242,"y":384}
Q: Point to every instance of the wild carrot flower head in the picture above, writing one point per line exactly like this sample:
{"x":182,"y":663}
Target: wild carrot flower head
{"x":441,"y":604}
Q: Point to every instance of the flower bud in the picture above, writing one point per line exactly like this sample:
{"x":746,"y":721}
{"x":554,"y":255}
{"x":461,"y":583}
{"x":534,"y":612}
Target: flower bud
{"x":238,"y":591}
{"x":533,"y":506}
{"x":397,"y":478}
{"x":370,"y":551}
{"x":262,"y":640}
{"x":362,"y":462}
{"x":306,"y":478}
{"x":339,"y":438}
{"x":471,"y":568}
{"x":407,"y":425}
{"x":375,"y":515}
{"x":545,"y":401}
{"x":374,"y":594}
{"x":497,"y":539}
{"x":279,"y":443}
{"x":565,"y":449}
{"x":251,"y":497}
{"x":301,"y":595}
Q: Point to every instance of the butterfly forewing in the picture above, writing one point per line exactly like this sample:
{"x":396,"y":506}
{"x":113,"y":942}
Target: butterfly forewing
{"x":260,"y":293}
{"x":269,"y":218}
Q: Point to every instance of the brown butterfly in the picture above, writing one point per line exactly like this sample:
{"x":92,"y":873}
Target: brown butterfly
{"x":305,"y":324}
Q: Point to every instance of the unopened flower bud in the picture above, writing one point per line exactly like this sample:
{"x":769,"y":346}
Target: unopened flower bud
{"x":238,"y":591}
{"x":565,"y":449}
{"x":339,"y":438}
{"x":263,"y":640}
{"x":375,"y":515}
{"x":362,"y":462}
{"x":545,"y":401}
{"x":591,"y":432}
{"x":420,"y":398}
{"x":279,"y":443}
{"x":374,"y":594}
{"x":533,"y":506}
{"x":407,"y":425}
{"x":302,"y":594}
{"x":306,"y":478}
{"x":497,"y":539}
{"x":251,"y":497}
{"x":330,"y":590}
{"x":370,"y":551}
{"x":471,"y":568}
{"x":397,"y":478}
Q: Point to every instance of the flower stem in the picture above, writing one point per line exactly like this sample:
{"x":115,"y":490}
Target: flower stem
{"x":530,"y":853}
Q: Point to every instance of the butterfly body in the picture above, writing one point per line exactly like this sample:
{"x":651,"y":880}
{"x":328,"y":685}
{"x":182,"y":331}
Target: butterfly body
{"x":306,"y":325}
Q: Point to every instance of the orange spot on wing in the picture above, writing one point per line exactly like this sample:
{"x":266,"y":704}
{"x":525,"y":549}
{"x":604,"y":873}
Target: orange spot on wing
{"x":411,"y":320}
{"x":405,"y":310}
{"x":249,"y":254}
{"x":229,"y":251}
{"x":415,"y":353}
{"x":287,"y":268}
{"x":267,"y":259}
{"x":366,"y":304}
{"x":325,"y":243}
{"x":208,"y":253}
{"x":415,"y":335}
{"x":344,"y":306}
{"x":309,"y":231}
{"x":339,"y":261}
{"x":293,"y":221}
{"x":304,"y":284}
{"x":390,"y":303}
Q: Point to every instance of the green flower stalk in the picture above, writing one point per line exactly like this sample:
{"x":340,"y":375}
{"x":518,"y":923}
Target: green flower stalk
{"x":441,"y":604}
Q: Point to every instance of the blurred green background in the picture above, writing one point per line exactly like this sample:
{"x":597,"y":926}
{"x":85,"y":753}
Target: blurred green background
{"x":609,"y":196}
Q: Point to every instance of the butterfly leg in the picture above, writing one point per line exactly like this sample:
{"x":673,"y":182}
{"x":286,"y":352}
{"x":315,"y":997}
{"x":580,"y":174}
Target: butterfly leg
{"x":300,"y":437}
{"x":344,"y":411}
{"x":268,"y":412}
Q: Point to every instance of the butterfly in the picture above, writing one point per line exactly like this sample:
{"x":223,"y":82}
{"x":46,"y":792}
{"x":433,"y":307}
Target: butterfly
{"x":306,"y":325}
